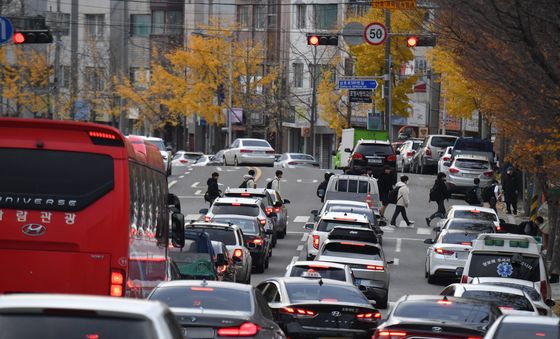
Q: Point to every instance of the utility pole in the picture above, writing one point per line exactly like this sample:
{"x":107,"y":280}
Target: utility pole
{"x":58,"y":42}
{"x":230,"y":95}
{"x":314,"y":72}
{"x":387,"y":86}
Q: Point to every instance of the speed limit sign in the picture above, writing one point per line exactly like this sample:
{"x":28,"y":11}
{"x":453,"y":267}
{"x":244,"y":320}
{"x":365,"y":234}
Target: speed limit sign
{"x":375,"y":33}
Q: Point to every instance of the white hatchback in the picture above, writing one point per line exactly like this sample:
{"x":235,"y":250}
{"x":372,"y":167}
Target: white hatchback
{"x":471,"y":212}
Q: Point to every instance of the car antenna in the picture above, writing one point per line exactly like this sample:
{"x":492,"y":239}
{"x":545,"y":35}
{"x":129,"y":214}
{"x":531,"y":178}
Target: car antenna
{"x":320,"y":281}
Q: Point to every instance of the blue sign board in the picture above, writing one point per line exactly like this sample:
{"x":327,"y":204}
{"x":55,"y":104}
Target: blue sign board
{"x":6,"y":30}
{"x":356,"y":84}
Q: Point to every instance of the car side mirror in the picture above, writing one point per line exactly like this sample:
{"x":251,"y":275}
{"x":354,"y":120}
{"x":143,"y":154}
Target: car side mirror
{"x":286,"y":201}
{"x":314,"y":212}
{"x":309,"y":226}
{"x":459,"y":271}
{"x":178,"y":230}
{"x":429,"y":241}
{"x":447,"y":164}
{"x":203,"y":211}
{"x":550,"y":303}
{"x":347,"y":150}
{"x":390,"y":262}
{"x":221,"y":260}
{"x":437,"y":229}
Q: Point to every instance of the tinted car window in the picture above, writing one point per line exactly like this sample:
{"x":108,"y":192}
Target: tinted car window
{"x":470,"y":226}
{"x":255,"y":143}
{"x":353,"y":186}
{"x":517,"y":302}
{"x":443,"y":142}
{"x":362,"y":211}
{"x":527,"y":331}
{"x":300,"y":292}
{"x":454,"y":311}
{"x":328,"y":225}
{"x":531,"y":292}
{"x":351,"y":251}
{"x":218,"y":234}
{"x":159,"y":143}
{"x":342,"y":185}
{"x":478,"y":215}
{"x":301,"y":157}
{"x":472,"y":164}
{"x":54,"y":326}
{"x":250,"y":210}
{"x":505,"y":265}
{"x":226,"y":299}
{"x":363,"y":186}
{"x":248,"y":226}
{"x":374,"y":149}
{"x":459,"y":238}
{"x":323,"y":272}
{"x":416,"y":145}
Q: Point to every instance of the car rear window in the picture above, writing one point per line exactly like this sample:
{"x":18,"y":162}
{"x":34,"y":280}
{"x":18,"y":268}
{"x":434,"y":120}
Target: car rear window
{"x":527,"y":331}
{"x":328,"y":225}
{"x":374,"y":149}
{"x":475,"y":214}
{"x":442,"y":142}
{"x":301,"y":292}
{"x":202,"y":297}
{"x":459,"y":238}
{"x":352,"y":186}
{"x":472,"y":164}
{"x":159,"y":143}
{"x":248,"y":226}
{"x":531,"y":292}
{"x":456,"y":224}
{"x":453,"y":311}
{"x":250,"y":210}
{"x":301,"y":157}
{"x":227,"y":236}
{"x":337,"y":249}
{"x":256,"y":143}
{"x":501,"y":299}
{"x":506,"y":265}
{"x":56,"y":324}
{"x":416,"y":145}
{"x":318,"y":272}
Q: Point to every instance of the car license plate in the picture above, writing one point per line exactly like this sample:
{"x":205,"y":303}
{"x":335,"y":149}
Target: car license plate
{"x":375,"y":161}
{"x":462,"y":255}
{"x":194,"y":332}
{"x":358,"y":282}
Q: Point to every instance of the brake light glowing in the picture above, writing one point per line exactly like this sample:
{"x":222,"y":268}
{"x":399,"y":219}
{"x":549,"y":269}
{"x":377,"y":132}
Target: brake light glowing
{"x":368,"y":316}
{"x":453,"y":170}
{"x":269,"y":210}
{"x":505,"y":308}
{"x":540,"y":334}
{"x":222,"y":269}
{"x":444,"y":302}
{"x":446,"y":158}
{"x":202,"y":289}
{"x":317,"y":266}
{"x":444,"y":252}
{"x":488,"y":174}
{"x":116,"y":288}
{"x":245,"y":151}
{"x":245,"y":194}
{"x":262,"y":221}
{"x":116,"y":291}
{"x":357,"y":156}
{"x":316,"y":240}
{"x":117,"y":278}
{"x":375,"y":267}
{"x":277,"y":209}
{"x":352,"y":243}
{"x":102,"y":135}
{"x":207,"y":218}
{"x":235,"y":204}
{"x":498,"y":228}
{"x":298,"y":311}
{"x":391,"y":334}
{"x":392,"y":157}
{"x":247,"y":329}
{"x":474,"y":337}
{"x":257,"y":241}
{"x":544,"y":290}
{"x":238,"y":253}
{"x":464,"y":279}
{"x":92,"y":336}
{"x":345,"y":219}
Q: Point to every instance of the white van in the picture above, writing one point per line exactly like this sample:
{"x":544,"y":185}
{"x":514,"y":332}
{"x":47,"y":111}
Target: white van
{"x":354,"y":188}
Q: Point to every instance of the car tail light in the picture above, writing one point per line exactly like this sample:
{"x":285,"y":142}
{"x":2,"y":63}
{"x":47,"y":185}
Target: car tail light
{"x":235,"y":204}
{"x":183,"y":161}
{"x":464,"y":279}
{"x":292,"y":163}
{"x":117,"y":283}
{"x":428,"y":152}
{"x":352,"y":243}
{"x":262,"y":221}
{"x":444,"y":252}
{"x":207,"y":218}
{"x":392,"y":157}
{"x":298,"y":312}
{"x":222,"y":269}
{"x":409,"y":154}
{"x":245,"y":194}
{"x":488,"y":174}
{"x":505,"y":308}
{"x":373,"y":316}
{"x":444,"y":302}
{"x":245,"y":151}
{"x":375,"y":267}
{"x":466,"y":243}
{"x":202,"y":289}
{"x":270,"y":152}
{"x":498,"y":228}
{"x":390,"y":334}
{"x":474,"y":337}
{"x":446,"y":158}
{"x":269,"y":210}
{"x":316,"y":240}
{"x":357,"y":156}
{"x":257,"y":241}
{"x":544,"y":290}
{"x":277,"y":209}
{"x":238,"y":253}
{"x":453,"y":170}
{"x":247,"y":329}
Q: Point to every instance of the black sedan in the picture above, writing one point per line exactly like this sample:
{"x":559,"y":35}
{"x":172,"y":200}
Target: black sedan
{"x":214,"y":309}
{"x":319,"y":307}
{"x":426,"y":316}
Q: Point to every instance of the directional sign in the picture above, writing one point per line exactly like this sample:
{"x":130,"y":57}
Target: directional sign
{"x":361,"y":95}
{"x":356,"y":84}
{"x":394,"y":4}
{"x":375,"y":33}
{"x":6,"y":30}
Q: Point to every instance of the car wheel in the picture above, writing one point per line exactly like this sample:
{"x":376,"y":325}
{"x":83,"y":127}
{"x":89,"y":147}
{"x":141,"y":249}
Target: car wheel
{"x":281,"y":234}
{"x":432,"y":279}
{"x":235,"y":162}
{"x":274,"y":240}
{"x":383,"y":302}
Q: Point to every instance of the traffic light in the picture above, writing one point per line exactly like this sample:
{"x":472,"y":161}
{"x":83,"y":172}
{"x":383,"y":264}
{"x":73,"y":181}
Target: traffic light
{"x":324,"y":40}
{"x":37,"y":36}
{"x":420,"y":41}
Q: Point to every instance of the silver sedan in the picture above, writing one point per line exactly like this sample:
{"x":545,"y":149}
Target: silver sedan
{"x":294,"y":160}
{"x":249,"y":151}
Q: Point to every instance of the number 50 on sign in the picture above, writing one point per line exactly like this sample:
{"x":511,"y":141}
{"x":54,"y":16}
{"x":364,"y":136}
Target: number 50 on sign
{"x":375,"y":33}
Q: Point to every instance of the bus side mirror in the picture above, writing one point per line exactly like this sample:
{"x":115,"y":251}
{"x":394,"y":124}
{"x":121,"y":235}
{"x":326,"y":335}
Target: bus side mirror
{"x":178,"y":230}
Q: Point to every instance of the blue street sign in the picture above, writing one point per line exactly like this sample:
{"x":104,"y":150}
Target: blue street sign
{"x":6,"y":30}
{"x":356,"y":84}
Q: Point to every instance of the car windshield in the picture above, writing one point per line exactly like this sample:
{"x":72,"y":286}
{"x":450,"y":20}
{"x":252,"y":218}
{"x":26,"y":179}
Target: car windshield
{"x":316,"y":271}
{"x":256,"y":143}
{"x":158,"y":143}
{"x":328,"y":225}
{"x":350,"y":250}
{"x":527,"y":331}
{"x":201,"y":297}
{"x":501,"y":299}
{"x":301,"y":157}
{"x":472,"y":164}
{"x":227,"y":236}
{"x":475,"y":214}
{"x":74,"y":324}
{"x":506,"y":265}
{"x":465,"y":225}
{"x":459,"y":238}
{"x":442,"y":142}
{"x":459,"y":312}
{"x":374,"y":149}
{"x":249,"y":210}
{"x":247,"y":226}
{"x":531,"y":292}
{"x":301,"y":292}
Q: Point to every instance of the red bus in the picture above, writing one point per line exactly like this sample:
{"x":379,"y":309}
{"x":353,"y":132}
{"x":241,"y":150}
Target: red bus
{"x":83,"y":210}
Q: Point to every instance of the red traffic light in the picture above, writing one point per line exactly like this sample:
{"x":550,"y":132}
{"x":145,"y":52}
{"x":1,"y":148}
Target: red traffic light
{"x":411,"y":41}
{"x":18,"y":38}
{"x":313,"y":40}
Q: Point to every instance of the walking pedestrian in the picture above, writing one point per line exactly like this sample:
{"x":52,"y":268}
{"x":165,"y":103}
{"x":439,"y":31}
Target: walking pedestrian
{"x":510,"y":186}
{"x":403,"y":201}
{"x":474,"y":194}
{"x":438,"y":193}
{"x":275,"y":183}
{"x":249,"y":180}
{"x":213,"y":190}
{"x":384,"y":184}
{"x":322,"y":189}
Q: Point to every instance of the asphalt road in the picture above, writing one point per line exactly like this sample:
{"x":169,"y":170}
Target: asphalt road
{"x":403,"y":244}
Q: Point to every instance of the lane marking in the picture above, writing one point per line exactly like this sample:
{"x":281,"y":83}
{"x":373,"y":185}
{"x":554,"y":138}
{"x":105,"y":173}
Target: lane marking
{"x":304,"y":237}
{"x":315,"y":181}
{"x":299,"y":248}
{"x":398,"y":245}
{"x":296,"y":232}
{"x":387,"y":229}
{"x":299,"y":180}
{"x":424,"y":230}
{"x":187,"y":173}
{"x":219,"y":169}
{"x":181,"y":176}
{"x":171,"y":184}
{"x":407,"y":239}
{"x":396,"y":262}
{"x":195,"y":184}
{"x":192,"y":216}
{"x":301,"y":218}
{"x":294,"y":259}
{"x":198,"y":192}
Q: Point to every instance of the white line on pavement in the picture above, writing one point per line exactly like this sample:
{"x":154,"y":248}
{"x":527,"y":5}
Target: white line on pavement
{"x":407,"y":239}
{"x":304,"y":237}
{"x":219,"y":169}
{"x":294,"y":259}
{"x":424,"y":230}
{"x":198,"y":192}
{"x":299,"y":180}
{"x":315,"y":181}
{"x":387,"y":229}
{"x":195,"y":184}
{"x":299,"y":248}
{"x":192,"y":216}
{"x":188,"y":172}
{"x":172,"y":183}
{"x":181,"y":176}
{"x":398,"y":245}
{"x":396,"y":262}
{"x":301,"y":218}
{"x":296,"y":232}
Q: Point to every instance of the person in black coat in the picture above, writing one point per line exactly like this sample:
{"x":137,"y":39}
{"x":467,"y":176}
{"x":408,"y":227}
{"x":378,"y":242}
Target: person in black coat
{"x":438,"y":193}
{"x":510,"y":186}
{"x":385,"y":184}
{"x":213,"y":189}
{"x":322,"y":189}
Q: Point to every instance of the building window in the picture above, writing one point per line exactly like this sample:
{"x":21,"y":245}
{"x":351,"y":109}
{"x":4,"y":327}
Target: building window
{"x":301,"y":16}
{"x":95,"y":24}
{"x":140,"y":25}
{"x":174,"y":22}
{"x":357,"y":8}
{"x":298,"y":75}
{"x":158,"y":22}
{"x":64,"y":76}
{"x":260,"y":17}
{"x":326,"y":16}
{"x":95,"y":78}
{"x":243,"y":16}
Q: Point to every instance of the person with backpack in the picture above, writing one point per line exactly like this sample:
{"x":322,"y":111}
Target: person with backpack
{"x":275,"y":183}
{"x":213,"y":190}
{"x":438,"y":193}
{"x":322,"y":189}
{"x":249,"y":180}
{"x":489,"y":195}
{"x":384,"y":184}
{"x":402,"y":202}
{"x":474,"y":194}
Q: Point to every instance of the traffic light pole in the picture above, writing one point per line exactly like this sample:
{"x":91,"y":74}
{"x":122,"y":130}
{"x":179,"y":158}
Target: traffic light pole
{"x":387,"y":86}
{"x":313,"y":100}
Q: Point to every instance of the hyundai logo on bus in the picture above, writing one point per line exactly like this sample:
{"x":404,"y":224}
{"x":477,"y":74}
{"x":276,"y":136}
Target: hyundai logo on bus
{"x":34,"y":230}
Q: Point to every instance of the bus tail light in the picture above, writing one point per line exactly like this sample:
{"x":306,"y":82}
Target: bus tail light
{"x":316,"y":240}
{"x":117,"y":283}
{"x":247,"y":329}
{"x":105,"y":139}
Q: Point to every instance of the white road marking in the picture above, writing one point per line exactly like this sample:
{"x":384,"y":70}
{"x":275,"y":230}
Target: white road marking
{"x":189,"y":197}
{"x":398,"y":245}
{"x":172,"y":183}
{"x":424,"y":230}
{"x":294,"y":259}
{"x":299,"y":180}
{"x":237,"y":168}
{"x":181,"y":176}
{"x":301,"y":218}
{"x":299,"y":248}
{"x":198,"y":192}
{"x":296,"y":232}
{"x":396,"y":262}
{"x":192,"y":216}
{"x":407,"y":239}
{"x":219,"y":169}
{"x":304,"y":237}
{"x":195,"y":184}
{"x":315,"y":181}
{"x":387,"y":229}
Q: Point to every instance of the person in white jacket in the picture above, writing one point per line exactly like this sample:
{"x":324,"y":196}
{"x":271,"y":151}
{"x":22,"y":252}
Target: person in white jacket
{"x":402,"y":202}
